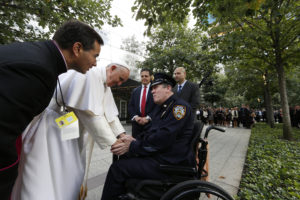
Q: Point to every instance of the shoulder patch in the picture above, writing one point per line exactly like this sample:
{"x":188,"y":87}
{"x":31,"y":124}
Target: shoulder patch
{"x":179,"y":111}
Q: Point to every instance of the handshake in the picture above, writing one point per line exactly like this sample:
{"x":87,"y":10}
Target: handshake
{"x":121,"y":146}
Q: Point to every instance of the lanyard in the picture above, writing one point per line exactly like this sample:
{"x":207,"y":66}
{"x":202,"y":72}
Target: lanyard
{"x":62,"y":98}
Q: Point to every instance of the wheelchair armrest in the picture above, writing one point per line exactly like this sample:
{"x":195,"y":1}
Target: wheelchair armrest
{"x":178,"y":170}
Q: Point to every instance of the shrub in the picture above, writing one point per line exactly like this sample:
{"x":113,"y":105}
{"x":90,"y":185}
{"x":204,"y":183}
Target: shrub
{"x":272,"y":167}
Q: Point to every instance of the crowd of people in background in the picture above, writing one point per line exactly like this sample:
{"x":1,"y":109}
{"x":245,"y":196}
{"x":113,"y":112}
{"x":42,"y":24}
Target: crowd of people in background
{"x":243,"y":116}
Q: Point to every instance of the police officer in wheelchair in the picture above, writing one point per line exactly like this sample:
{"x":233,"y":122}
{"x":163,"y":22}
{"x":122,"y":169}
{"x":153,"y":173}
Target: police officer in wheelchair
{"x":166,"y":142}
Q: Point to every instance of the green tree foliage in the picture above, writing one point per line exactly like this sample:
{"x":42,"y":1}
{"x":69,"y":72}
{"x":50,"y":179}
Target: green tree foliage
{"x":175,"y":45}
{"x":215,"y":89}
{"x":161,"y":12}
{"x":22,"y":20}
{"x":293,"y":86}
{"x":267,"y":30}
{"x":249,"y":78}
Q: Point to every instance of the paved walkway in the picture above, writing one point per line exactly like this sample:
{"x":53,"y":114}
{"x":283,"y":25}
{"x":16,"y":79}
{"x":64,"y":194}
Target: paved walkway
{"x":227,"y":156}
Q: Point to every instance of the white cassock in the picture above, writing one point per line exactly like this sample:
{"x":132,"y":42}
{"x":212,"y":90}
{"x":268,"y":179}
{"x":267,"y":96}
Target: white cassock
{"x":52,"y":169}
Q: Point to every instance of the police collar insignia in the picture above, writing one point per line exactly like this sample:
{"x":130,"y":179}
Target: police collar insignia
{"x":179,"y":111}
{"x":166,"y":108}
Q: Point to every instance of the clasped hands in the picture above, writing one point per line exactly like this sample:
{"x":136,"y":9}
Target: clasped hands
{"x":141,"y":120}
{"x":121,"y":146}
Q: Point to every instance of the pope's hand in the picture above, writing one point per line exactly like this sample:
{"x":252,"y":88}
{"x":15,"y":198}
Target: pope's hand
{"x":122,"y":146}
{"x":117,"y":141}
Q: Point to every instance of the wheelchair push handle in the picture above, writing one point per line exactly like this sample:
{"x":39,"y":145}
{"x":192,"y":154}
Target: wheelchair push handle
{"x":218,"y":128}
{"x":212,"y":127}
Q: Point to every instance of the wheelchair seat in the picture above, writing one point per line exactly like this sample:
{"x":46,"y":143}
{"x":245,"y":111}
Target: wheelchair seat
{"x":153,"y":189}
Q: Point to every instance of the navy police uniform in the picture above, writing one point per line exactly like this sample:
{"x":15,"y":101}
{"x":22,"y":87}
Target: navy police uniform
{"x":166,"y":142}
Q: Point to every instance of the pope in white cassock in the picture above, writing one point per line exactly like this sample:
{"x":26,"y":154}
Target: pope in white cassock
{"x":51,"y":168}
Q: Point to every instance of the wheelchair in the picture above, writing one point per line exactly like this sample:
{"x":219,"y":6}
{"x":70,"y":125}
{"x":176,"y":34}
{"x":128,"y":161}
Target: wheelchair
{"x":184,"y":182}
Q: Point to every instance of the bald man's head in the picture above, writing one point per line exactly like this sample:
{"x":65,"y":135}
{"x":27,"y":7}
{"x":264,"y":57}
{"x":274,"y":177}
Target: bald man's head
{"x":179,"y":75}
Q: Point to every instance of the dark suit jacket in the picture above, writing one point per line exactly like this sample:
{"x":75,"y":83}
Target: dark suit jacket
{"x":134,"y":103}
{"x":28,"y":76}
{"x":134,"y":108}
{"x":189,"y":93}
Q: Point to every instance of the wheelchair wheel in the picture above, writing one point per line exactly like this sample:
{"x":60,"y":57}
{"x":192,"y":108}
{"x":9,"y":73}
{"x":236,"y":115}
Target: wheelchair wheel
{"x":196,"y":190}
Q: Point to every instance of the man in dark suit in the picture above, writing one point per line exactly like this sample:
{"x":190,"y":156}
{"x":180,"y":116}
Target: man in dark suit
{"x":186,"y":90}
{"x":28,"y":77}
{"x":141,"y":104}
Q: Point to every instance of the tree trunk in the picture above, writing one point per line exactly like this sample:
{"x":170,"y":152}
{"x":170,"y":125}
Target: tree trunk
{"x":268,"y":102}
{"x":287,"y":128}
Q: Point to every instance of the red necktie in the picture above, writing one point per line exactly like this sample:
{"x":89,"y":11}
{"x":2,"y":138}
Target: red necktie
{"x":143,"y":104}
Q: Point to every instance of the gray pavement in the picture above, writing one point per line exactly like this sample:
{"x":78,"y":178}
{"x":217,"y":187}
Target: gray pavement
{"x":227,"y":157}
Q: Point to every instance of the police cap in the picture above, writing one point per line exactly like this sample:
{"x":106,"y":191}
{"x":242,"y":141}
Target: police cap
{"x":160,"y":78}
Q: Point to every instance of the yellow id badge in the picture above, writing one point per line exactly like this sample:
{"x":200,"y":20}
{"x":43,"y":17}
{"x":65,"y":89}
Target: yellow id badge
{"x":68,"y":125}
{"x":66,"y":119}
